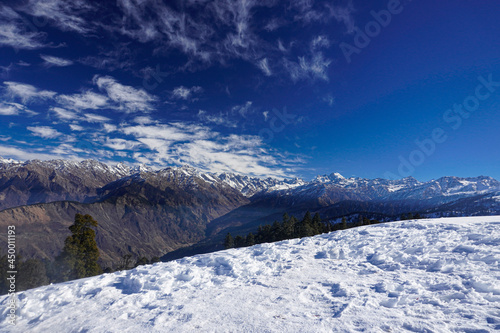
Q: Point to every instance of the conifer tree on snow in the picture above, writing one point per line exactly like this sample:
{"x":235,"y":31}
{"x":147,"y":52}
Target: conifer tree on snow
{"x":250,"y":239}
{"x":229,"y":241}
{"x":80,"y":253}
{"x":305,"y":226}
{"x":316,"y":224}
{"x":344,"y":223}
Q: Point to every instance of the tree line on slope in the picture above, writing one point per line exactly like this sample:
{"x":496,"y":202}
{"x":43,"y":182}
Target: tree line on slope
{"x":290,"y":227}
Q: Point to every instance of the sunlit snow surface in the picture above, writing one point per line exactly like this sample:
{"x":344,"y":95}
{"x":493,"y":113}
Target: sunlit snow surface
{"x":440,"y":275}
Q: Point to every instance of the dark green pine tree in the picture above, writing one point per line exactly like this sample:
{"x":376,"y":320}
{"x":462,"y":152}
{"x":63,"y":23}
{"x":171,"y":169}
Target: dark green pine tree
{"x":250,"y":239}
{"x":288,"y":226}
{"x":360,"y":221}
{"x":228,"y":241}
{"x":239,"y":241}
{"x":305,"y":226}
{"x":31,"y":274}
{"x":317,"y":225}
{"x":142,"y":261}
{"x":276,"y":232}
{"x":80,"y":253}
{"x":344,"y":223}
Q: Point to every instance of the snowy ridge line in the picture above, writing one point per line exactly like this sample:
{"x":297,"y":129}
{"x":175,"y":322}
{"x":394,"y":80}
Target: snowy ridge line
{"x":433,"y":275}
{"x":380,"y":189}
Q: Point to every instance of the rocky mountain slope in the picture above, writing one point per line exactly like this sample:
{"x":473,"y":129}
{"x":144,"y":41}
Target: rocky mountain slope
{"x":149,"y":212}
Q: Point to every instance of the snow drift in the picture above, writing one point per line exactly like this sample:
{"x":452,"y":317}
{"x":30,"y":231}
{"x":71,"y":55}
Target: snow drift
{"x":439,"y":275}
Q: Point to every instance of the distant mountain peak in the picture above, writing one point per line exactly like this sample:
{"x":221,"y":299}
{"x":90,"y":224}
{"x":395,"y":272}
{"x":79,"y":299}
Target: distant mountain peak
{"x":336,"y":175}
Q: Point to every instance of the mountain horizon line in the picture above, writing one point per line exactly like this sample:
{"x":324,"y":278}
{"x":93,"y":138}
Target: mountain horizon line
{"x":145,"y":168}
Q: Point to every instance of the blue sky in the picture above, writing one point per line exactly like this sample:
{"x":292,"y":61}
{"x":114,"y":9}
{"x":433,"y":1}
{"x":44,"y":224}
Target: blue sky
{"x":267,"y":88}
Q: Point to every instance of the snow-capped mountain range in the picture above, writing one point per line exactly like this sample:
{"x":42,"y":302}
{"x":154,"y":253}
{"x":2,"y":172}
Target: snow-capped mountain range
{"x":366,"y":189}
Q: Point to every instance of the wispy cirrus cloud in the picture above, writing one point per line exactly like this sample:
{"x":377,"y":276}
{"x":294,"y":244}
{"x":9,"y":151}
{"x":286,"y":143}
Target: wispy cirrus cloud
{"x":95,"y":118}
{"x":27,"y":153}
{"x":243,"y":109}
{"x":83,"y":101}
{"x":322,"y":12}
{"x":222,"y":119}
{"x":14,"y":109}
{"x":121,"y":144}
{"x":27,"y":92}
{"x":264,"y":67}
{"x":208,"y":150}
{"x":128,"y":98}
{"x":67,"y":15}
{"x":75,"y":127}
{"x":45,"y":132}
{"x":206,"y":31}
{"x":16,"y":34}
{"x":64,"y":114}
{"x":55,"y":61}
{"x":185,"y":93}
{"x":314,"y":67}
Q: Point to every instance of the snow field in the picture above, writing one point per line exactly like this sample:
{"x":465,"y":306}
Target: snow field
{"x":439,"y":275}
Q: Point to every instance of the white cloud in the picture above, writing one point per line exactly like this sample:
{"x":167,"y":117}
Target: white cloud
{"x":8,"y":109}
{"x":243,"y":109}
{"x":343,"y":14}
{"x":55,"y":61}
{"x":201,"y":147}
{"x":67,"y":15}
{"x":77,"y":128}
{"x":14,"y":32}
{"x":45,"y":132}
{"x":310,"y":12}
{"x":121,"y":144}
{"x":14,"y":109}
{"x":264,"y":66}
{"x":23,"y":155}
{"x":185,"y":93}
{"x":143,"y":120}
{"x":83,"y":101}
{"x":206,"y":31}
{"x":329,"y":99}
{"x":64,"y":114}
{"x":95,"y":118}
{"x":266,"y":115}
{"x":109,"y":127}
{"x":26,"y":92}
{"x":314,"y":67}
{"x":170,"y":132}
{"x":129,"y":98}
{"x":320,"y":41}
{"x":220,"y":119}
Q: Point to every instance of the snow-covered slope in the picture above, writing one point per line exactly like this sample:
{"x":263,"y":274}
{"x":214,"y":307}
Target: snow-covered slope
{"x":440,"y":275}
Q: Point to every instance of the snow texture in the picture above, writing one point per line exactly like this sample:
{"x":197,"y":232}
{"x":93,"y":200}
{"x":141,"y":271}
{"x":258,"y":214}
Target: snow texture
{"x":439,"y":275}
